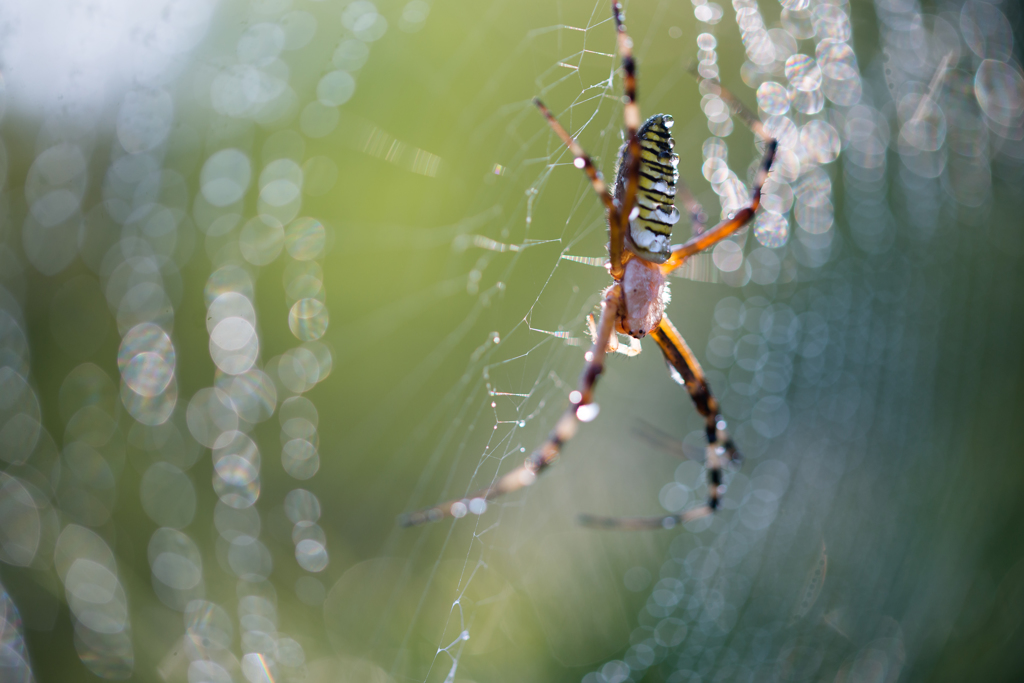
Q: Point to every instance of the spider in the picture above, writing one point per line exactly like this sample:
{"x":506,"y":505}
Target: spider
{"x":640,"y":213}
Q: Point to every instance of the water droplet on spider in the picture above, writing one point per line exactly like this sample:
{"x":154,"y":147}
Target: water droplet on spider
{"x":588,"y":356}
{"x":586,"y":413}
{"x":575,"y":396}
{"x":579,"y":162}
{"x":721,"y":424}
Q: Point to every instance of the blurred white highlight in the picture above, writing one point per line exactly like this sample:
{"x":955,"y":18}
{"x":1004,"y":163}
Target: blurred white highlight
{"x":71,"y":53}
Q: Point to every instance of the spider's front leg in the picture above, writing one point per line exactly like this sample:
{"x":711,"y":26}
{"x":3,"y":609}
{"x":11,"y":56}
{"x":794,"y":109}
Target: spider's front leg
{"x":631,"y":152}
{"x":581,"y":409}
{"x":727,"y":227}
{"x":708,"y":239}
{"x":681,"y":359}
{"x":583,"y":161}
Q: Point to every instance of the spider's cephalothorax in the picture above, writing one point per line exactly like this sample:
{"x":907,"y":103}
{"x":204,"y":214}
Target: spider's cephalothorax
{"x":651,"y":227}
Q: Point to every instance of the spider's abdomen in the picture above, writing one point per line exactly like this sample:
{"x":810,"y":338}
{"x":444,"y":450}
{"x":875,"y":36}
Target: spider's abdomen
{"x":651,"y":229}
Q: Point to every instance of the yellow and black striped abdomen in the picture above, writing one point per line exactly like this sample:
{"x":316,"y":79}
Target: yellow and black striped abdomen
{"x":651,"y":228}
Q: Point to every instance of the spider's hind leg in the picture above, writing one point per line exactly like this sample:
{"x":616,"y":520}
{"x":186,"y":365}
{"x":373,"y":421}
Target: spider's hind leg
{"x":720,"y":444}
{"x":581,"y":409}
{"x":681,"y":359}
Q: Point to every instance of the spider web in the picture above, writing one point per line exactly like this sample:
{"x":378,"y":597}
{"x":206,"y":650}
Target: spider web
{"x":395,"y":259}
{"x":806,"y":342}
{"x":521,"y":374}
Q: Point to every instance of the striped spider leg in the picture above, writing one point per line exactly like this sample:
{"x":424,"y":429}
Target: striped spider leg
{"x":704,"y":240}
{"x":581,"y":409}
{"x":687,"y":371}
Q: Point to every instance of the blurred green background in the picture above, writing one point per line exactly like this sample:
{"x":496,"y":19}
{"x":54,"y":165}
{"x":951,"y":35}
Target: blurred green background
{"x":385,"y":339}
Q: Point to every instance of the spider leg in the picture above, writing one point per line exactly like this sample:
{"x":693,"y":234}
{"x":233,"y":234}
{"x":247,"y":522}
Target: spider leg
{"x":581,"y":409}
{"x":632,"y":152}
{"x":679,"y":356}
{"x":582,"y":160}
{"x":681,"y":359}
{"x":685,"y":198}
{"x":631,"y":114}
{"x":700,"y":242}
{"x":662,"y":440}
{"x":738,"y":108}
{"x":614,"y":345}
{"x":642,"y":523}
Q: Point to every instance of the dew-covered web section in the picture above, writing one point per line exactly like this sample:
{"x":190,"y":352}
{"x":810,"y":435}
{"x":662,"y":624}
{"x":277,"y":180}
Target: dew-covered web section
{"x":842,"y":343}
{"x":124,"y":216}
